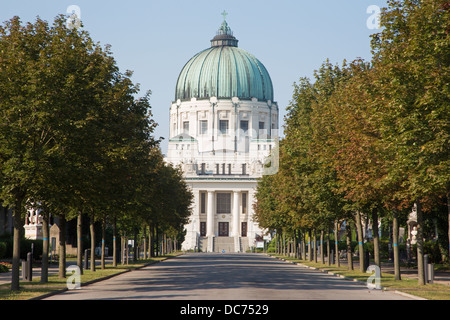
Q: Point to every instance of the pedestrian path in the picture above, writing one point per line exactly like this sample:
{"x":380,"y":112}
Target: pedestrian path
{"x":441,"y":277}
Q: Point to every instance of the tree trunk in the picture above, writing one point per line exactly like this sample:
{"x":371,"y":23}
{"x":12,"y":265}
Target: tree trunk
{"x":164,"y":244}
{"x":92,"y":232}
{"x":80,"y":242}
{"x":303,"y":246}
{"x":169,"y":245}
{"x":349,"y":245}
{"x":150,"y":241}
{"x":62,"y":246}
{"x":395,"y":245}
{"x":315,"y":245}
{"x":299,"y":245}
{"x":336,"y":242}
{"x":18,"y":226}
{"x":135,"y":247}
{"x":103,"y":242}
{"x":145,"y":242}
{"x":122,"y":250}
{"x":328,"y":247}
{"x":448,"y":216}
{"x":322,"y":260}
{"x":127,"y":250}
{"x":280,"y":251}
{"x":360,"y":241}
{"x":420,"y":266}
{"x":45,"y":247}
{"x":278,"y":242}
{"x":156,"y":240}
{"x":114,"y":243}
{"x":376,"y":238}
{"x":310,"y":251}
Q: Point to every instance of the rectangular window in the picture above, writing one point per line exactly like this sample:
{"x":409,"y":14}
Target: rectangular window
{"x":244,"y":229}
{"x":261,"y":131}
{"x":203,"y":168}
{"x":261,"y":125}
{"x":244,"y":126}
{"x":223,"y":202}
{"x":202,"y":229}
{"x":223,"y":126}
{"x":186,"y":127}
{"x":203,"y":127}
{"x":202,"y":202}
{"x":244,"y":202}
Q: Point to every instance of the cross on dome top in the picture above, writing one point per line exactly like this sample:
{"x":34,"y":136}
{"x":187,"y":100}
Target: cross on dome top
{"x":224,"y":14}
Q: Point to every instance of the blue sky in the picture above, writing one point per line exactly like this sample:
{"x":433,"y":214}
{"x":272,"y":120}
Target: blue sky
{"x":155,"y":38}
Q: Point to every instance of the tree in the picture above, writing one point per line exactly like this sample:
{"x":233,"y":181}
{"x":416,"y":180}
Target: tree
{"x":411,"y":56}
{"x":305,"y":193}
{"x":24,"y":138}
{"x":307,"y":136}
{"x":354,"y":149}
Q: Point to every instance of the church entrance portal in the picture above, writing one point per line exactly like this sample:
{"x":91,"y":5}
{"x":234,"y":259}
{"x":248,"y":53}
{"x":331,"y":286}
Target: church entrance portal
{"x":223,"y":229}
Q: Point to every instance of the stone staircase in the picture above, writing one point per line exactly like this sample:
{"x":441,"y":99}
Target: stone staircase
{"x":225,"y":244}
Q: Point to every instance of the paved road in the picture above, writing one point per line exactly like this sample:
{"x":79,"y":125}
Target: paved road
{"x":205,"y":276}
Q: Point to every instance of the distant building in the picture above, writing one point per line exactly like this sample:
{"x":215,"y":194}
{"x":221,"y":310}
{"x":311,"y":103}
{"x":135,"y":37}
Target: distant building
{"x":33,"y":224}
{"x":223,"y":127}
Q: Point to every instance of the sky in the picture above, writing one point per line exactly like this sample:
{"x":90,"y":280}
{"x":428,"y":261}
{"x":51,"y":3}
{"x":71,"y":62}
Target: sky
{"x":155,"y":38}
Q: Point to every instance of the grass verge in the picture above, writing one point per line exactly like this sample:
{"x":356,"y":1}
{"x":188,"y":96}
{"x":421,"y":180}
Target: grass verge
{"x":34,"y":289}
{"x":429,"y":291}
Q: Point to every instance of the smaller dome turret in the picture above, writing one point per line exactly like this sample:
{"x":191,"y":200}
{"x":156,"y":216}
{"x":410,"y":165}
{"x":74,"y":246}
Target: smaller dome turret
{"x":224,"y":37}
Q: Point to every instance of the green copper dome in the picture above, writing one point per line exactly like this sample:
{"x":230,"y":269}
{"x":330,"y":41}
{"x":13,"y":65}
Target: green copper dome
{"x":224,"y":71}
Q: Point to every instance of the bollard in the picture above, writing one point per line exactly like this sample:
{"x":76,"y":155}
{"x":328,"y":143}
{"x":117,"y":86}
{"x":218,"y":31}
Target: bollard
{"x":425,"y":267}
{"x":332,"y":257}
{"x":428,"y":269}
{"x":86,"y":259}
{"x":27,"y":268}
{"x":30,"y":266}
{"x":366,"y":259}
{"x":24,"y":270}
{"x":430,"y":272}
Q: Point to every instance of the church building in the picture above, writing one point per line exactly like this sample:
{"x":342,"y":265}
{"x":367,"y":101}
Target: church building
{"x":223,"y":134}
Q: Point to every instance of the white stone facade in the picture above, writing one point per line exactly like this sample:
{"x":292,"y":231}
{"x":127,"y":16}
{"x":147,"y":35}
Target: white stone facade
{"x":222,"y":146}
{"x":33,"y":224}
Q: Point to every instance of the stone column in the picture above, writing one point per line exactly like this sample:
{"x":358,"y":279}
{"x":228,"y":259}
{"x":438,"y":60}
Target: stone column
{"x":250,"y":224}
{"x":235,"y":216}
{"x":210,"y":215}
